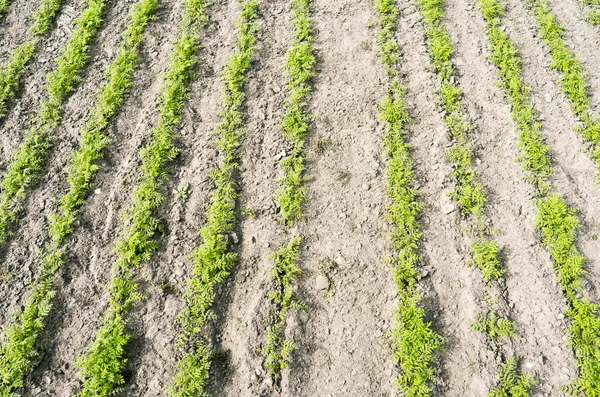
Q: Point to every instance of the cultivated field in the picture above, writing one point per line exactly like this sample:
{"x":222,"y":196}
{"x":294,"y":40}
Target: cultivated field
{"x":299,"y":198}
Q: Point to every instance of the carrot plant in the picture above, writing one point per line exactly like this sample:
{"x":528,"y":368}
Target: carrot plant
{"x":594,"y":12}
{"x":20,"y":349}
{"x":291,"y":197}
{"x":28,"y":163}
{"x":469,"y":192}
{"x":511,"y":384}
{"x":494,"y":326}
{"x":573,"y":74}
{"x":414,"y":342}
{"x":102,"y":364}
{"x":555,"y":220}
{"x":12,"y":71}
{"x":93,"y":140}
{"x":4,"y":7}
{"x":300,"y":65}
{"x":215,"y":258}
{"x":286,"y":271}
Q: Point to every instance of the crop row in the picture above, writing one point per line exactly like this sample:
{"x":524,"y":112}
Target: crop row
{"x":29,"y":161}
{"x":555,"y":220}
{"x":12,"y":71}
{"x":291,"y":197}
{"x":215,"y":258}
{"x":103,"y":361}
{"x":4,"y":8}
{"x":469,"y":193}
{"x":414,"y":342}
{"x":594,"y":13}
{"x":19,"y":352}
{"x":572,"y":81}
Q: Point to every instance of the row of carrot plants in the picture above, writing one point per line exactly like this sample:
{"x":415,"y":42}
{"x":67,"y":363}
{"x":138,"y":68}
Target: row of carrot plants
{"x":469,"y":193}
{"x":215,"y":258}
{"x":103,"y":362}
{"x":12,"y":71}
{"x":4,"y":4}
{"x":415,"y":343}
{"x":594,"y":12}
{"x":573,"y":74}
{"x":29,"y":160}
{"x":555,"y":220}
{"x":19,"y":352}
{"x":291,"y":197}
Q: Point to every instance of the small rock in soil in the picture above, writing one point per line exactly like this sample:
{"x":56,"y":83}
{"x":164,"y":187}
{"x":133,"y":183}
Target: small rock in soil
{"x":448,"y":208}
{"x":322,"y":282}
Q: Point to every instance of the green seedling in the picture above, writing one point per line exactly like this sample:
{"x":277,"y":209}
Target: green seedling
{"x":214,"y":259}
{"x":556,"y":222}
{"x":102,"y":364}
{"x":414,"y":342}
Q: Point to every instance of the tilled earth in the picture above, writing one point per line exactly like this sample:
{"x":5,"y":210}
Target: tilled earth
{"x":343,"y":349}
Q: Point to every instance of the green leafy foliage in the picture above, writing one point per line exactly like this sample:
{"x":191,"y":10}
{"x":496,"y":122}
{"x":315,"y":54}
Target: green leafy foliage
{"x":215,"y":258}
{"x":45,"y":16}
{"x":102,"y":364}
{"x":585,"y":331}
{"x":414,"y":342}
{"x":291,"y":197}
{"x":13,"y":70}
{"x":29,"y":160}
{"x":286,"y":271}
{"x":594,"y":17}
{"x":573,"y":74}
{"x":19,"y":351}
{"x":511,"y":383}
{"x":486,"y":257}
{"x":4,"y":7}
{"x":594,"y":13}
{"x":556,"y":222}
{"x":534,"y":155}
{"x":93,"y":139}
{"x":301,"y":68}
{"x":469,"y":193}
{"x":494,"y":326}
{"x":63,"y":80}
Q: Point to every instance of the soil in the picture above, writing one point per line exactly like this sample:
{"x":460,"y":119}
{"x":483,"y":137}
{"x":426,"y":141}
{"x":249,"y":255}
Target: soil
{"x":343,"y":347}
